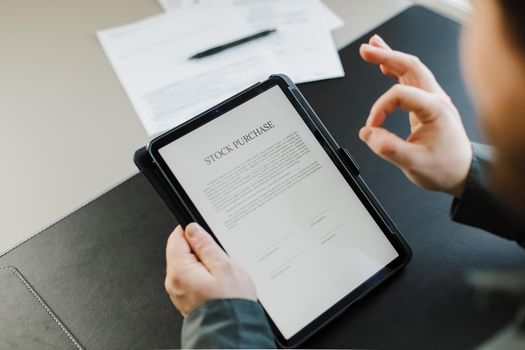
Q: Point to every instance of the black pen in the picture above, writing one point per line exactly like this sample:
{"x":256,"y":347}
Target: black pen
{"x":220,"y":48}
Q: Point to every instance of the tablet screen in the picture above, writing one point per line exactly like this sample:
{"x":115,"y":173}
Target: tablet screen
{"x":280,"y":207}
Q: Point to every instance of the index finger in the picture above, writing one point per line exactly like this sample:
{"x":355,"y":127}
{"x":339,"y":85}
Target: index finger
{"x":409,"y":98}
{"x":408,"y":69}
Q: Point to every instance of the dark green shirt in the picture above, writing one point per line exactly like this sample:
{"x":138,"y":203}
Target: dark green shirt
{"x":227,"y":323}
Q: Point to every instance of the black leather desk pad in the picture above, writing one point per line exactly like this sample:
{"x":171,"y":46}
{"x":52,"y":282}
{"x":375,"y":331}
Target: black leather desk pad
{"x":26,"y":322}
{"x":101,"y":269}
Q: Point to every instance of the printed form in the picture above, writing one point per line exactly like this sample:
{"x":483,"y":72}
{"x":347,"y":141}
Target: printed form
{"x":151,"y":59}
{"x":303,"y":44}
{"x":166,"y":88}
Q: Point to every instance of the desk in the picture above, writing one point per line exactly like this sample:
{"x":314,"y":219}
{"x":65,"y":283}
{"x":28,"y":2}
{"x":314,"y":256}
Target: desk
{"x":65,"y":121}
{"x":101,"y":269}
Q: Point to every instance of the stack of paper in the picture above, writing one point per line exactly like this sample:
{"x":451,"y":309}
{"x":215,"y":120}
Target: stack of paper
{"x":151,"y":57}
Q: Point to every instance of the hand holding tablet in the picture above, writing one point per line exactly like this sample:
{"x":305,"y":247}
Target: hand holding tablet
{"x":263,"y":160}
{"x":196,"y":263}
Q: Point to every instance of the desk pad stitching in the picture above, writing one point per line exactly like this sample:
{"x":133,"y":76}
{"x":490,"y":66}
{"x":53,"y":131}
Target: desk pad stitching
{"x":43,"y":304}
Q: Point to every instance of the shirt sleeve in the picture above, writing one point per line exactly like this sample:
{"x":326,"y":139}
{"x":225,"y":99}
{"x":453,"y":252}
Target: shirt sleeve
{"x":227,"y":323}
{"x":478,"y":207}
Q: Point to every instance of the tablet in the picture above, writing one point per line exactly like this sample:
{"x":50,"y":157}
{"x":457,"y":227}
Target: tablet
{"x":262,"y":174}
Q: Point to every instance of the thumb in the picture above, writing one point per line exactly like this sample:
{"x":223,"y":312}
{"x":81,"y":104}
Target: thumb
{"x":389,"y":146}
{"x":205,"y":247}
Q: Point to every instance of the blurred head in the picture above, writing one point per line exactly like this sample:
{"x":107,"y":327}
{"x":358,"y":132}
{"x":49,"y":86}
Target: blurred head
{"x":493,"y":57}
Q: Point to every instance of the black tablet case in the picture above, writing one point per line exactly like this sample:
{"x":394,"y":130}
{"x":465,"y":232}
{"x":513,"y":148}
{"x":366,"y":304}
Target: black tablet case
{"x":146,"y":165}
{"x":101,"y":268}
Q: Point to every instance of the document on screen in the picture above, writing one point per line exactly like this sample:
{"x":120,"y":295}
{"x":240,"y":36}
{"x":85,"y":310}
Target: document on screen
{"x":280,"y":207}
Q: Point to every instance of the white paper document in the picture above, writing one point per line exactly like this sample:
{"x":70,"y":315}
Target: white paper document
{"x":166,"y":88}
{"x":332,"y":20}
{"x":151,"y":59}
{"x":303,"y":43}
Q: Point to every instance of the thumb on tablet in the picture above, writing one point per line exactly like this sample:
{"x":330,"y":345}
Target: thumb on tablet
{"x":205,"y":247}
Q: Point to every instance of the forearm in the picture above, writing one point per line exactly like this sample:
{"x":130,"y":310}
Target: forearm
{"x":479,"y":207}
{"x":227,"y":323}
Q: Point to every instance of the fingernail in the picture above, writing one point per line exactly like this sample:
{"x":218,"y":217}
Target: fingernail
{"x":379,"y":39}
{"x":193,"y":229}
{"x":369,"y":47}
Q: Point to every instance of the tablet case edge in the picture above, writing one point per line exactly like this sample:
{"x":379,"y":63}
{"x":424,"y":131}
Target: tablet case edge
{"x":145,"y":164}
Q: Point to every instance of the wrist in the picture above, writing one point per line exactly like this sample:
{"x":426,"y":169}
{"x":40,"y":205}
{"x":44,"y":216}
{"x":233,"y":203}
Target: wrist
{"x":458,"y":189}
